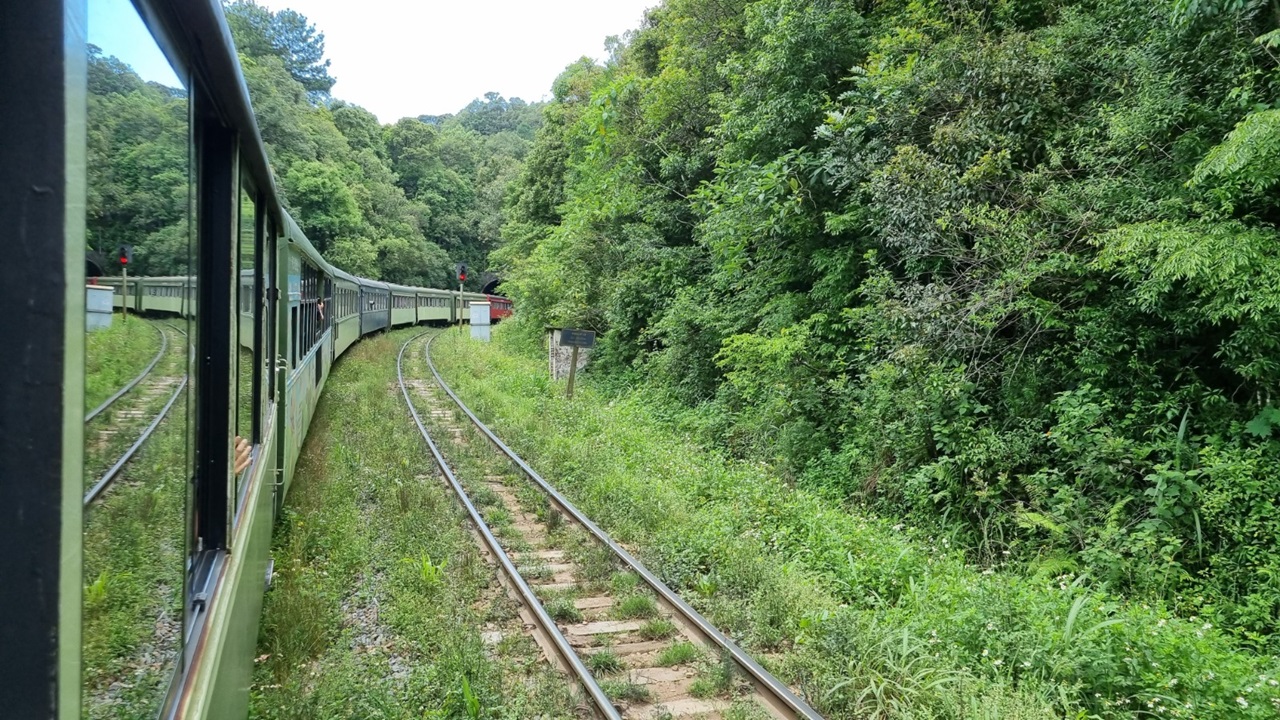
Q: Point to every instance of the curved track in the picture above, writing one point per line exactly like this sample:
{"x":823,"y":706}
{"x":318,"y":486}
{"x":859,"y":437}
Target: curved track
{"x":107,"y":478}
{"x":768,"y":692}
{"x":164,"y":345}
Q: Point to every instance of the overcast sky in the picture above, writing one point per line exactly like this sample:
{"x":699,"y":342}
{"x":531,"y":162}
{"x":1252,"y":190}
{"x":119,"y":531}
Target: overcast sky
{"x":402,"y":58}
{"x":411,"y":57}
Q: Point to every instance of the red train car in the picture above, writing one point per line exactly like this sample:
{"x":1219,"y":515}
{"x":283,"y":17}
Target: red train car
{"x":499,"y":308}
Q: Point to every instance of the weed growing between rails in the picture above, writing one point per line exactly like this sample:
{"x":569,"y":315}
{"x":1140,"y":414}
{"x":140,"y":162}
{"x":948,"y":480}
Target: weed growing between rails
{"x":380,"y":592}
{"x":618,"y":629}
{"x":111,"y":433}
{"x":868,"y":619}
{"x":113,"y":356}
{"x":133,"y":560}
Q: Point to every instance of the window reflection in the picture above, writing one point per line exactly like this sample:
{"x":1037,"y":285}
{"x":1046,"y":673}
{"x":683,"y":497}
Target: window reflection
{"x":245,"y":371}
{"x":137,"y":441}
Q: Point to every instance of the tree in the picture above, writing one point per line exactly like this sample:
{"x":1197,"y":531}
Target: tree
{"x":284,"y":34}
{"x":137,"y":167}
{"x":323,"y":204}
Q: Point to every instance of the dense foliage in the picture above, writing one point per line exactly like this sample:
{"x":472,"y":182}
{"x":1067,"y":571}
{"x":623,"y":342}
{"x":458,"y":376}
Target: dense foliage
{"x":399,"y":202}
{"x":136,"y":163}
{"x":868,"y":617}
{"x":1005,"y":269}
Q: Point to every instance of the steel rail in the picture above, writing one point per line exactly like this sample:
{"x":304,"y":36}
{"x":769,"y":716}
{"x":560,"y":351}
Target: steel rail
{"x":568,"y":656}
{"x":758,"y":674}
{"x":164,"y":345}
{"x":110,"y":475}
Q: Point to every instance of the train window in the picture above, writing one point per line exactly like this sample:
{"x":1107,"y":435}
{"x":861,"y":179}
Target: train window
{"x":312,"y":314}
{"x":137,"y":443}
{"x":267,"y":320}
{"x":245,"y":372}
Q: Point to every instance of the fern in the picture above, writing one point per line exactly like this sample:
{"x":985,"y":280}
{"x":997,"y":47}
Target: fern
{"x":1206,"y":274}
{"x":1250,"y":154}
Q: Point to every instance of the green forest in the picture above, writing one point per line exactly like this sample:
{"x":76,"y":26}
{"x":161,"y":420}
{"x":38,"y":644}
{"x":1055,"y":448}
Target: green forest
{"x":1008,"y":271}
{"x":400,"y":202}
{"x":1004,"y":272}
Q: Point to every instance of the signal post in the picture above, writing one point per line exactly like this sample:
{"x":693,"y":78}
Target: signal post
{"x":462,"y":277}
{"x":126,"y":256}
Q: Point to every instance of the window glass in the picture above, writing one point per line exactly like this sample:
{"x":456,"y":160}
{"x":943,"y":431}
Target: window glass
{"x":267,"y":323}
{"x":139,"y":200}
{"x":245,"y":341}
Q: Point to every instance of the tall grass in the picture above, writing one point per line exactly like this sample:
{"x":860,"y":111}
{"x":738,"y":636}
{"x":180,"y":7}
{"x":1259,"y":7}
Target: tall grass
{"x":115,"y":355}
{"x":868,"y":618}
{"x":381,"y":597}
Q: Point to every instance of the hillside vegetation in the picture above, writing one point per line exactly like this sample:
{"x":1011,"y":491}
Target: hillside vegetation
{"x":866,"y":617}
{"x":400,"y":202}
{"x":1007,"y":271}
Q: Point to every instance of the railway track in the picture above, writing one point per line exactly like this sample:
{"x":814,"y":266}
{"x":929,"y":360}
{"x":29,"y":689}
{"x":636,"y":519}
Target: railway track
{"x":154,"y":388}
{"x":635,"y":646}
{"x":164,"y":345}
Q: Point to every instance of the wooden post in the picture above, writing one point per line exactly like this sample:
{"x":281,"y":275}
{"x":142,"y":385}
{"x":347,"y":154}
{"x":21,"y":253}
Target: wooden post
{"x":124,"y":296}
{"x":573,"y":372}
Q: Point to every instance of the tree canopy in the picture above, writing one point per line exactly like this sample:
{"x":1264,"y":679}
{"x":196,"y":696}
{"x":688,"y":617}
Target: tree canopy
{"x":401,"y":202}
{"x":284,"y":34}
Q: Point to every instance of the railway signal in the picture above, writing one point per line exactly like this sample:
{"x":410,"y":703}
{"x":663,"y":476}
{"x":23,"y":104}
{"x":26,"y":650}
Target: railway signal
{"x":462,"y":277}
{"x":126,"y":257}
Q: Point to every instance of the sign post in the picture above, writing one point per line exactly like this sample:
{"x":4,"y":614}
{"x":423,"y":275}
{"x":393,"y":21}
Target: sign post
{"x":570,"y":337}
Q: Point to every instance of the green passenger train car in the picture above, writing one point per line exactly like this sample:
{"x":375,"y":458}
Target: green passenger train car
{"x":260,"y":317}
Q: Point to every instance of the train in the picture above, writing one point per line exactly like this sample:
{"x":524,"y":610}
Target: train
{"x":272,"y":295}
{"x":380,"y":305}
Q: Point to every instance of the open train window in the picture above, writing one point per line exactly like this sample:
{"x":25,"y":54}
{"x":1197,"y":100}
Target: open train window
{"x":246,"y":329}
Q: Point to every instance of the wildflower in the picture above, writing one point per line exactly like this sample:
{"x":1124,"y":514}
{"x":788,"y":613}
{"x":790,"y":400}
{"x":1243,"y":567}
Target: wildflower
{"x":991,"y":626}
{"x":997,"y":662}
{"x":984,"y":652}
{"x":1243,"y":703}
{"x":1161,"y":623}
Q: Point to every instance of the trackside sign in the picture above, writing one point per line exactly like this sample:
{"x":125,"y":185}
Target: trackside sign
{"x":570,"y":337}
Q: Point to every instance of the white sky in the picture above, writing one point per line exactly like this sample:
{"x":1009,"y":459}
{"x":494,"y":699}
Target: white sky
{"x":401,"y":58}
{"x":404,"y":58}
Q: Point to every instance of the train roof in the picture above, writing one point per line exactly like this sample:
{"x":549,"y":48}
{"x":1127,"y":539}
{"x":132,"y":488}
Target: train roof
{"x":376,"y":284}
